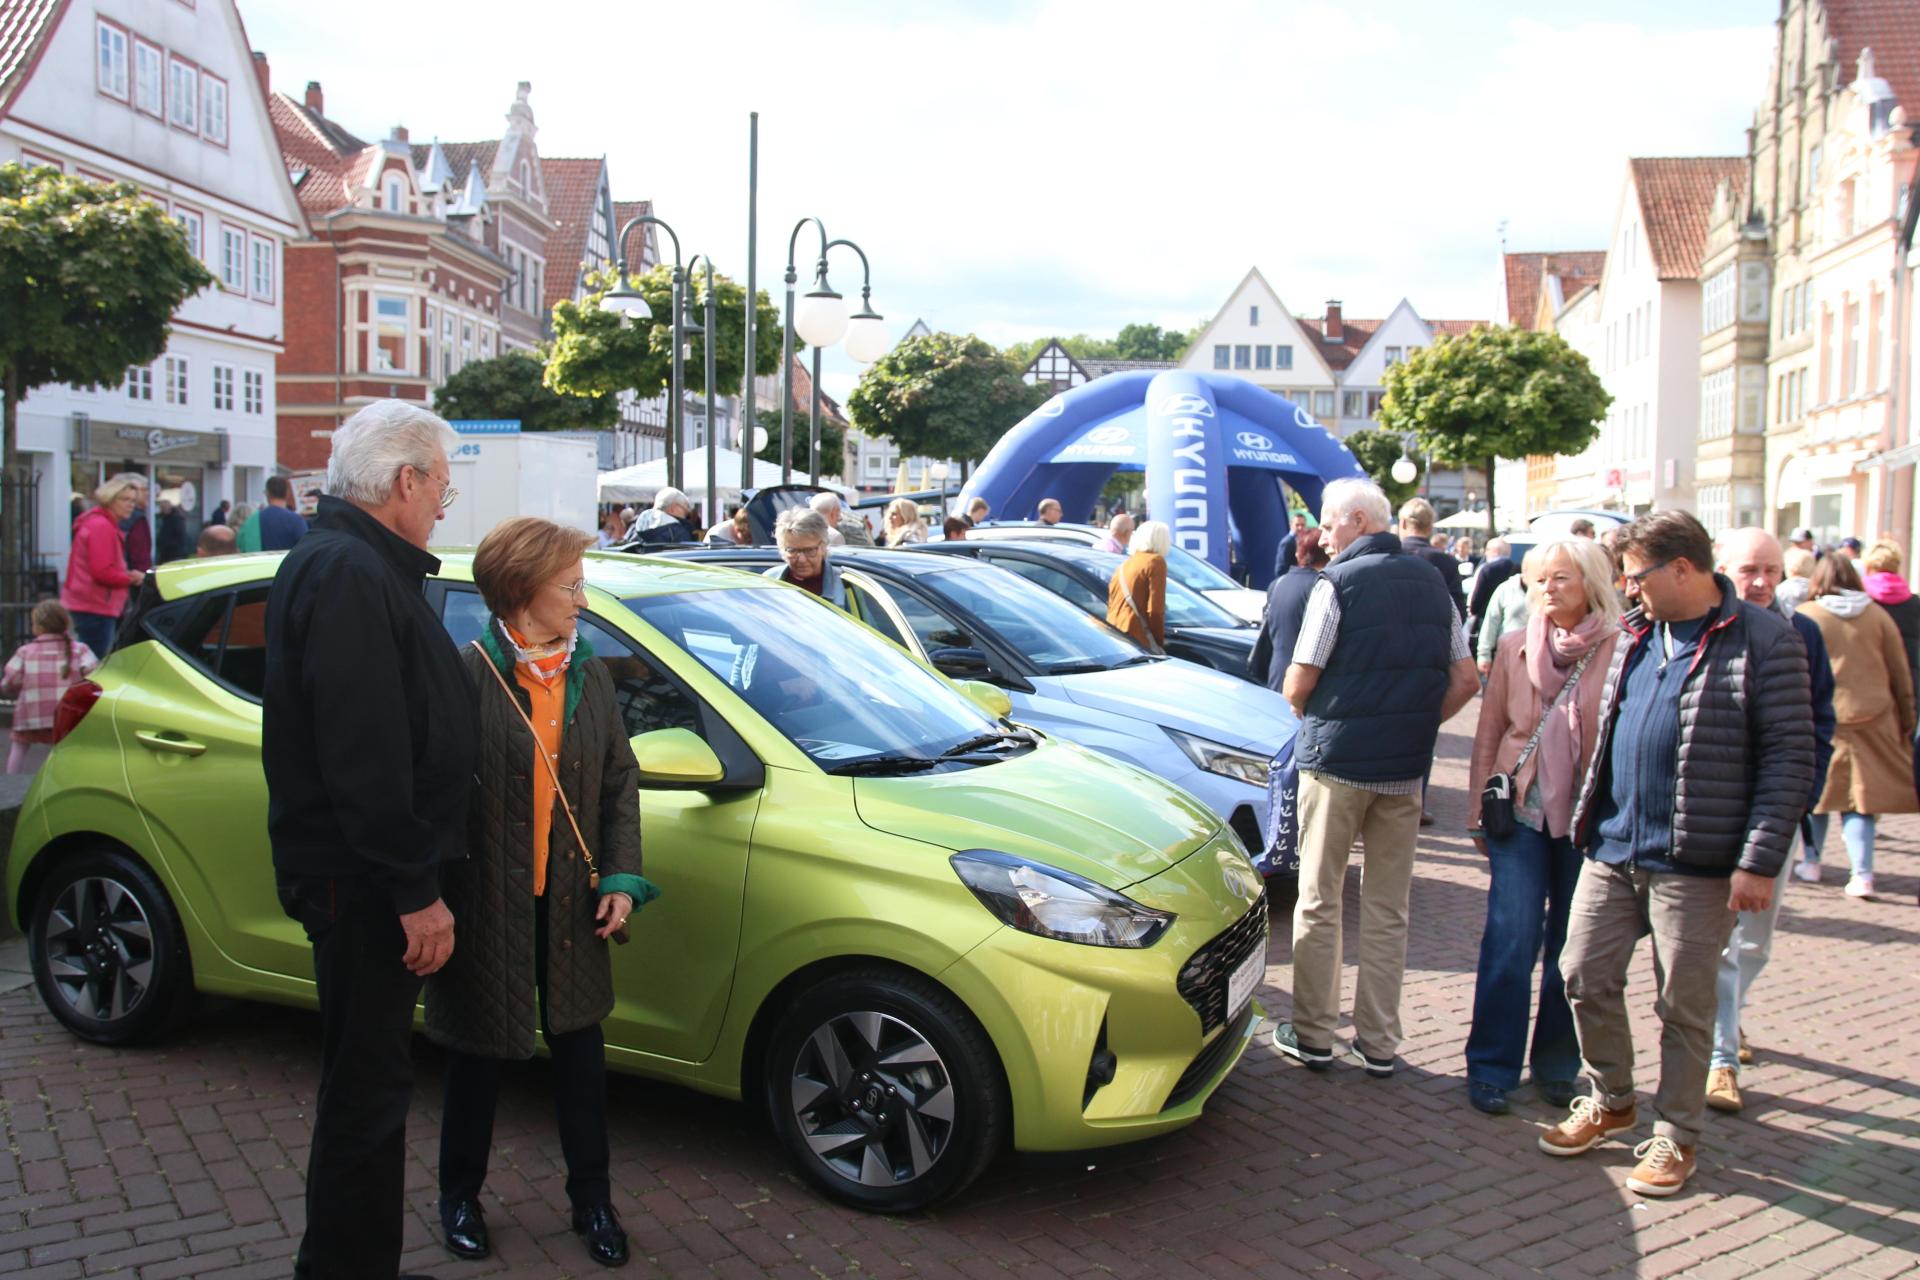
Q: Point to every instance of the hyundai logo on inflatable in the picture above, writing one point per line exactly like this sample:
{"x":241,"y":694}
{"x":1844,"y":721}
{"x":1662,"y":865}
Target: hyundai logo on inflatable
{"x":1254,"y":440}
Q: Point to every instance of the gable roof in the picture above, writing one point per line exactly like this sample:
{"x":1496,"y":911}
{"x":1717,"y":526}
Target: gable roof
{"x":1527,"y":275}
{"x":1322,"y":349}
{"x":1891,"y":28}
{"x":1356,"y":334}
{"x":25,"y":26}
{"x":573,"y":188}
{"x":625,"y":211}
{"x":1676,"y":199}
{"x":325,"y":161}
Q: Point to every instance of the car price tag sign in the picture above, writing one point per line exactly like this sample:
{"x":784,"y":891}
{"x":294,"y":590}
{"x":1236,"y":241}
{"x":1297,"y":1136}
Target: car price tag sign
{"x":1240,"y":986}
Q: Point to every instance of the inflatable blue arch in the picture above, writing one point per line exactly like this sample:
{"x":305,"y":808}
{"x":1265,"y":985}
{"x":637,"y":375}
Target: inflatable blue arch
{"x":1216,"y":450}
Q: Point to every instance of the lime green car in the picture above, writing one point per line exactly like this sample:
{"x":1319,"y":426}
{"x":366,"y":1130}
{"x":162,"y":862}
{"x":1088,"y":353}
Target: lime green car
{"x":910,"y":930}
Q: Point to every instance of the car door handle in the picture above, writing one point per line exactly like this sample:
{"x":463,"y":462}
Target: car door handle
{"x":155,"y":740}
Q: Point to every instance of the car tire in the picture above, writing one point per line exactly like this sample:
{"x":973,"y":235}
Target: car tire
{"x":108,"y":952}
{"x":893,"y":1064}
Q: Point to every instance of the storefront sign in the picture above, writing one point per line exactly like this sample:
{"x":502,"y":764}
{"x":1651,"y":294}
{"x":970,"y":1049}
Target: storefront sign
{"x":113,"y":441}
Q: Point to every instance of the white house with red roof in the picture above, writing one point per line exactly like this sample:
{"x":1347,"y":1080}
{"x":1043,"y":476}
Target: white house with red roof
{"x":167,"y":96}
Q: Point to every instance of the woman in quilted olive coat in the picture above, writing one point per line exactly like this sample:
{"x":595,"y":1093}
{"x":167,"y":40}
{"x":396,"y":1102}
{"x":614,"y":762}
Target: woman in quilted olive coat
{"x":534,"y":910}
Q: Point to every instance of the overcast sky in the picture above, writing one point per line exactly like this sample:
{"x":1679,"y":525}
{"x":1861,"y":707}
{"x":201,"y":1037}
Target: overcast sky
{"x":1022,"y":167}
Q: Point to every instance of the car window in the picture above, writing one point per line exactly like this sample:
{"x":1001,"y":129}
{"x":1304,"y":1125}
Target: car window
{"x":862,"y":605}
{"x":1200,"y":575}
{"x":647,"y":699}
{"x":1050,"y":633}
{"x":223,"y":633}
{"x":934,"y":628}
{"x":1066,"y":586}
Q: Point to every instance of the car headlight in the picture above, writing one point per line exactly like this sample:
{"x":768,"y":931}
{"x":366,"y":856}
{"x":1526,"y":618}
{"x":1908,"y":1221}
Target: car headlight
{"x":1249,"y":767}
{"x":1051,"y":903}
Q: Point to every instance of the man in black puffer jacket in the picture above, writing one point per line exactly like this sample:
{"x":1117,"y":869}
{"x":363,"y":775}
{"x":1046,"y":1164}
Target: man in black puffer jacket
{"x":1702,"y":765}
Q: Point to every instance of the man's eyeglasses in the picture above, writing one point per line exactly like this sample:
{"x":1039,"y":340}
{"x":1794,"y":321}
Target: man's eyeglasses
{"x":1637,"y":578}
{"x":447,"y":491}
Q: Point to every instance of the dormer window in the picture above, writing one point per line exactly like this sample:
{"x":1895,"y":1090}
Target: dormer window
{"x":396,"y":190}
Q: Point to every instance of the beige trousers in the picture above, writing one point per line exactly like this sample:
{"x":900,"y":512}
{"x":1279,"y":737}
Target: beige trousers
{"x":1332,"y":814}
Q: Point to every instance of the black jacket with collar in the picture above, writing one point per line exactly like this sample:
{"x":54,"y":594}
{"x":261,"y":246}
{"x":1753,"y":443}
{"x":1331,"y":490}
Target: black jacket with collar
{"x":368,"y":724}
{"x":1447,"y":567}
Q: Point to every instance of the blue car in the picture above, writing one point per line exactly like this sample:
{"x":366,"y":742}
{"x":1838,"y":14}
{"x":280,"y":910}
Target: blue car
{"x":1067,"y":674}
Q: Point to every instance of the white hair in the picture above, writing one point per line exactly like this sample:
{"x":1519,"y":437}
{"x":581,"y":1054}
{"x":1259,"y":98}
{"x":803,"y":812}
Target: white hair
{"x":375,"y":444}
{"x":1150,"y":535}
{"x":825,"y":502}
{"x":667,"y":496}
{"x":1342,"y":498}
{"x":1498,"y":547}
{"x":804,"y":521}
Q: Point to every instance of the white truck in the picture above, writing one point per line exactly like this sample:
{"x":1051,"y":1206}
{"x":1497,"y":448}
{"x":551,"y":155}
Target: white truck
{"x":502,"y":473}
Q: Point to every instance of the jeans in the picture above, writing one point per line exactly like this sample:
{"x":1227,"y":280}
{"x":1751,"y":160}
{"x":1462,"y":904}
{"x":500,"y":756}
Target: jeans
{"x":1748,"y":949}
{"x":95,"y":630}
{"x":1856,"y":831}
{"x":1533,"y":875}
{"x":356,"y":1172}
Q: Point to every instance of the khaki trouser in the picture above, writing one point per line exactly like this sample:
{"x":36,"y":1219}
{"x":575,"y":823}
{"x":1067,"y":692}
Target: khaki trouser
{"x":1689,"y":920}
{"x":1331,"y":815}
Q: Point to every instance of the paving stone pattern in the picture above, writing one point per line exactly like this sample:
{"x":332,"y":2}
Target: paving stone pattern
{"x":186,"y":1159}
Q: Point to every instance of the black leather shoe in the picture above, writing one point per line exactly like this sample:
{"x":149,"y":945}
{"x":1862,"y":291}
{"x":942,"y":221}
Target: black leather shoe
{"x":466,"y":1229}
{"x":606,"y":1241}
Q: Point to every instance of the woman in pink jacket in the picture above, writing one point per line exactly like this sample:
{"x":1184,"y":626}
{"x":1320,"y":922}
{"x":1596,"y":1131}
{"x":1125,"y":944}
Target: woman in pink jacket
{"x":97,"y":575}
{"x":1572,"y":625}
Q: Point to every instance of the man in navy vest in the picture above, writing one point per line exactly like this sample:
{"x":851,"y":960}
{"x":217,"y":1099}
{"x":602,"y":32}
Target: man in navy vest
{"x":1380,"y":663}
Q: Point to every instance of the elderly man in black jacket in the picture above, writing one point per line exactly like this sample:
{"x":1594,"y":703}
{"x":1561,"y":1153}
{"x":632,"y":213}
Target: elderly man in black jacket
{"x":367,"y":738}
{"x":1700,"y":774}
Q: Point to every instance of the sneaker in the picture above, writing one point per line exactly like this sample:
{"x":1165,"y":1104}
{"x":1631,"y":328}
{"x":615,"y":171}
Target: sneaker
{"x":1746,"y":1050}
{"x":1587,"y":1125}
{"x":1808,"y":871}
{"x":1860,"y":886}
{"x":1378,"y":1068}
{"x":1488,"y":1098}
{"x":1723,"y":1089}
{"x":1664,"y":1167}
{"x":1557,"y":1093}
{"x":1287,"y":1041}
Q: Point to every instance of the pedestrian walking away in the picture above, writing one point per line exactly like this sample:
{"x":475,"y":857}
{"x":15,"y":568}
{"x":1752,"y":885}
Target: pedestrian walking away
{"x":1699,"y":776}
{"x":1882,"y":580}
{"x":1380,"y":664}
{"x":1536,"y":735}
{"x":1286,"y":610}
{"x":536,"y":914}
{"x":368,"y":742}
{"x":1752,"y":560}
{"x":1871,"y":772}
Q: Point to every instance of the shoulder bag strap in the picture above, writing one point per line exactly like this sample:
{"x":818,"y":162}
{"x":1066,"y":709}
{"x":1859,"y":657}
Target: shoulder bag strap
{"x":593,"y":871}
{"x":1566,"y":690}
{"x":1153,"y":646}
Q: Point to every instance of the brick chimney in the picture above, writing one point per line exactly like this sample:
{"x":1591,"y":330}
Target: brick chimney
{"x":316,"y":100}
{"x":1334,"y":331}
{"x":260,"y":69}
{"x":400,"y":133}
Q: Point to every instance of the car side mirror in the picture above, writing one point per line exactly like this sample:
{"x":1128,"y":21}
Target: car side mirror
{"x":960,"y":664}
{"x":989,"y":698}
{"x":676,"y":758}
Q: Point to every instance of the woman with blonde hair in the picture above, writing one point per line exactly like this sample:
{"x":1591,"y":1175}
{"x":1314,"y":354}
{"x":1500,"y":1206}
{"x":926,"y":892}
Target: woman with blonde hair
{"x":1137,"y":592}
{"x":98,"y":578}
{"x":1792,"y":591}
{"x":1888,"y":588}
{"x":552,"y":873}
{"x":903,"y":523}
{"x":1539,"y":721}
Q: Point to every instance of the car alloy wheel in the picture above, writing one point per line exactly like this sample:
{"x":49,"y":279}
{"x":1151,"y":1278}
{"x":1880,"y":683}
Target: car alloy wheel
{"x":873,"y":1099}
{"x":99,"y":946}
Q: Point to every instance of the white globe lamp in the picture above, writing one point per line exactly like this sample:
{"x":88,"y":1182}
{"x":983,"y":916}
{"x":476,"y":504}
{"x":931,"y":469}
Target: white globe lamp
{"x":866,"y":338}
{"x":820,"y":317}
{"x":1403,"y":470}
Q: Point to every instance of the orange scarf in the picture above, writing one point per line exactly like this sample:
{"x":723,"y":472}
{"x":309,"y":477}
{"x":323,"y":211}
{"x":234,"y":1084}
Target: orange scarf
{"x":545,"y":662}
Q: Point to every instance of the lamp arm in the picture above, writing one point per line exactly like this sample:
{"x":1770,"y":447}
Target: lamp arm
{"x":620,"y":242}
{"x":793,"y":246}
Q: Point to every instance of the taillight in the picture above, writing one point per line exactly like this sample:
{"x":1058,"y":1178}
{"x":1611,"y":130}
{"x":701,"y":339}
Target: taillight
{"x":74,"y":705}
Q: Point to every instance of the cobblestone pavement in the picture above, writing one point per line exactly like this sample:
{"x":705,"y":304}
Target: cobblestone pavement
{"x":186,"y":1159}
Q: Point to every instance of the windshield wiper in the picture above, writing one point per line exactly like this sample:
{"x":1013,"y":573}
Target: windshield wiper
{"x":884,"y":764}
{"x":1075,"y":668}
{"x":1137,"y":659}
{"x":986,"y":740}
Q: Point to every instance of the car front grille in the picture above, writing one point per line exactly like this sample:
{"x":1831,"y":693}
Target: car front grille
{"x":1208,"y":1061}
{"x":1203,"y":979}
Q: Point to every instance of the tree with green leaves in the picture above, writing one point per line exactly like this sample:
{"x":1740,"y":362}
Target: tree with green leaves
{"x":513,"y":385}
{"x":833,"y":441}
{"x":90,"y":276}
{"x":1151,"y":342}
{"x":1503,"y":392}
{"x":1377,"y":451}
{"x":943,"y":396}
{"x":595,"y":353}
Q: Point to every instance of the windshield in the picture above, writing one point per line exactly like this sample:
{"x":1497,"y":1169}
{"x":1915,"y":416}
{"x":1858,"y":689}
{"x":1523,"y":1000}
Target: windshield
{"x":1190,"y":571}
{"x":1185,"y":606}
{"x":1052,"y":634}
{"x":836,"y":690}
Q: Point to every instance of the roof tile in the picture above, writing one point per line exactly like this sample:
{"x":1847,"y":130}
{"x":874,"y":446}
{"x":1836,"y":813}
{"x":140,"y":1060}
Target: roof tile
{"x":1891,"y":28}
{"x":1676,"y":197}
{"x":572,"y":185}
{"x":24,"y":27}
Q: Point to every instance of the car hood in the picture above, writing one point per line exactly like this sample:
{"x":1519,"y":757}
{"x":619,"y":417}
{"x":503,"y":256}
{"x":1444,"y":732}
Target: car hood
{"x":1189,"y":697}
{"x":1059,"y":804}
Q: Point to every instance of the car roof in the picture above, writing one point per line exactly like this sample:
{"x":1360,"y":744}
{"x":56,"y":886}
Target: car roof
{"x":907,"y":563}
{"x":625,"y":576}
{"x":1052,"y":548}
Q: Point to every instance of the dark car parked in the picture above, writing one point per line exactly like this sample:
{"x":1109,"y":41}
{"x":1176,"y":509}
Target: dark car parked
{"x":1197,"y":629}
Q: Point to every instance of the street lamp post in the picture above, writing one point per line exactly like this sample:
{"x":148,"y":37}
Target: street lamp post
{"x":626,"y":302}
{"x":708,"y":327}
{"x":822,"y":319}
{"x":937,"y":472}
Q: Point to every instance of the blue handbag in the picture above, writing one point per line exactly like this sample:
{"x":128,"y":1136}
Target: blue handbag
{"x":1281,"y":857}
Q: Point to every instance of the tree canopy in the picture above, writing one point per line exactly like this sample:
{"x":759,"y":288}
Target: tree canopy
{"x":594,"y":353}
{"x":943,"y":396}
{"x":512,"y":385}
{"x":1134,"y":342}
{"x":1495,"y":393}
{"x":1377,"y":451}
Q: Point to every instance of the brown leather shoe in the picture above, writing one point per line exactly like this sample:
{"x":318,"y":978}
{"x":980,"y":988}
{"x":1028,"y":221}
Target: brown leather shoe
{"x":1723,"y":1089}
{"x":1746,"y":1050}
{"x":1587,"y":1125}
{"x":1664,"y":1167}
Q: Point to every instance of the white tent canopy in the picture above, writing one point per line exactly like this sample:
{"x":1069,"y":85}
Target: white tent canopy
{"x":637,"y":484}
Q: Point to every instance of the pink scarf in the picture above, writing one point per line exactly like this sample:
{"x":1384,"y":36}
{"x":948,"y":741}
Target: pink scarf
{"x":1551,"y":653}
